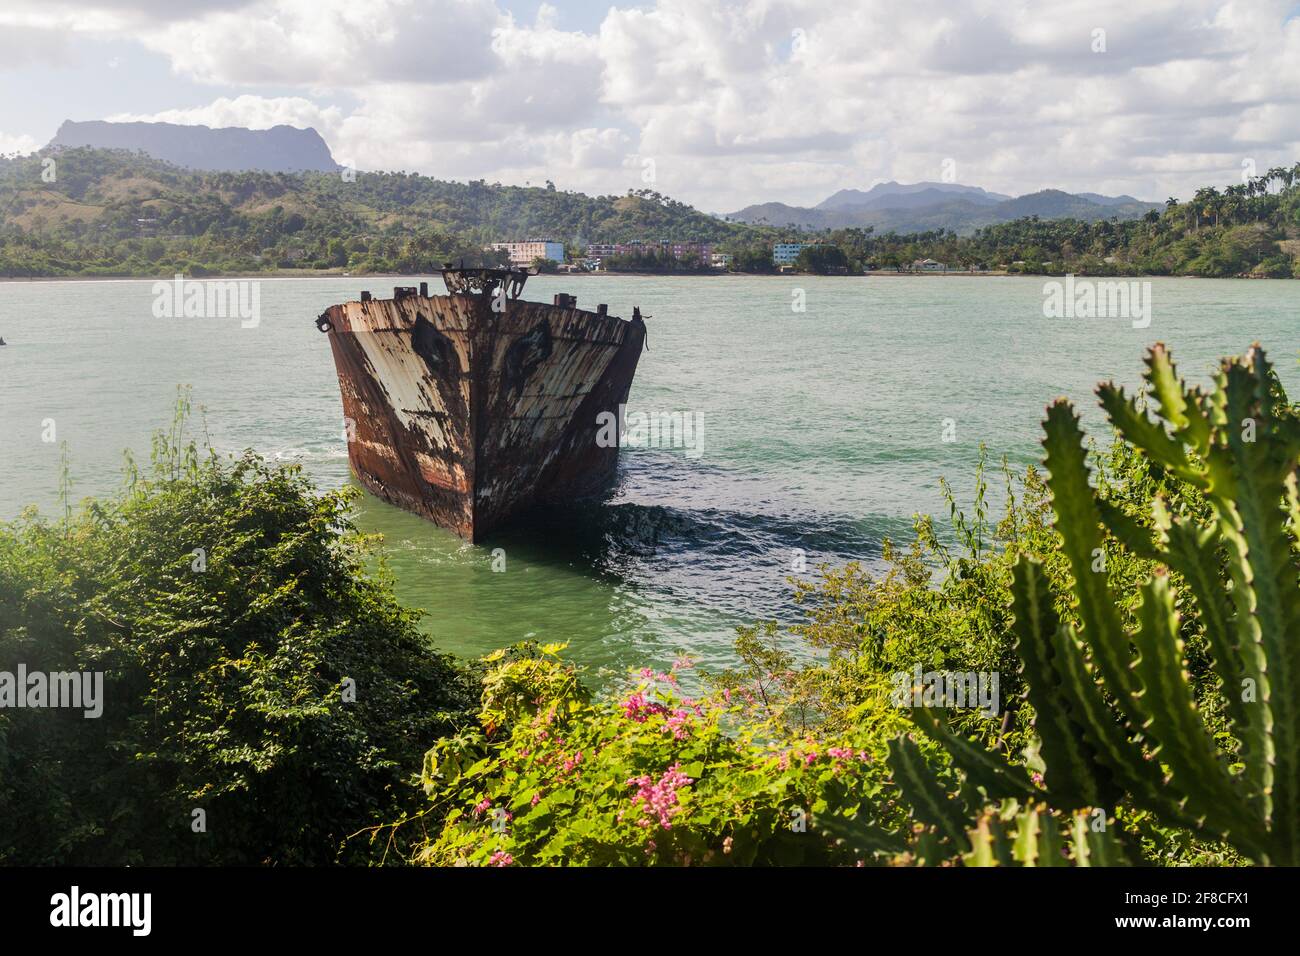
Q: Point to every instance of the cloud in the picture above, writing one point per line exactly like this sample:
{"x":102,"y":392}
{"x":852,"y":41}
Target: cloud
{"x":22,"y":45}
{"x":333,"y":43}
{"x":21,"y":143}
{"x":252,"y":112}
{"x":741,"y":101}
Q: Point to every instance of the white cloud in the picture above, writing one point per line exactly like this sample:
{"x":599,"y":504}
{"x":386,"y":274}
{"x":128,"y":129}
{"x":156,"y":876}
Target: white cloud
{"x":741,"y":101}
{"x":17,"y":143}
{"x":252,"y":112}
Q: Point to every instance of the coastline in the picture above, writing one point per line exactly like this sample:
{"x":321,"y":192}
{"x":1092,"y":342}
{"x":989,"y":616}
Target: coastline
{"x":879,"y":273}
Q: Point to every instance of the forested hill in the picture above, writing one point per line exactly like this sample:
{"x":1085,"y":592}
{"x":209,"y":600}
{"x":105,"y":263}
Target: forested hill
{"x":113,"y":212}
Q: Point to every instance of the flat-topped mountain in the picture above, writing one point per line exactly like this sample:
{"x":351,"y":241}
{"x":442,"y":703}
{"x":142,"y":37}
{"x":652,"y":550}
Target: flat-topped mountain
{"x":281,"y":149}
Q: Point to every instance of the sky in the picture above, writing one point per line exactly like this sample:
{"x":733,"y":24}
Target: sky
{"x":719,"y":103}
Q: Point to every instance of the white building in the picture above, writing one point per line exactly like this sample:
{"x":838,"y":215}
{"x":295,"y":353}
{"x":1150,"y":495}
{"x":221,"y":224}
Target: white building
{"x":523,"y":253}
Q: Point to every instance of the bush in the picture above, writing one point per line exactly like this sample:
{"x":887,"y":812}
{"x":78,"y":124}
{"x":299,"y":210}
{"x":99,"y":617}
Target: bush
{"x":651,"y":777}
{"x":228,"y":609}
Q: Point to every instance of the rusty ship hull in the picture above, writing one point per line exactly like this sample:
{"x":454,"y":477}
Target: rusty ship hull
{"x":470,"y":408}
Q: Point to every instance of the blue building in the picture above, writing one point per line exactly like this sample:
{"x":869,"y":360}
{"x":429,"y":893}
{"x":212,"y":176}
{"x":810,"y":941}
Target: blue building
{"x":785,"y":253}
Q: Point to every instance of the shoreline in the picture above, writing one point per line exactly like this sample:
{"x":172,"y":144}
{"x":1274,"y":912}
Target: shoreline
{"x":881,"y":273}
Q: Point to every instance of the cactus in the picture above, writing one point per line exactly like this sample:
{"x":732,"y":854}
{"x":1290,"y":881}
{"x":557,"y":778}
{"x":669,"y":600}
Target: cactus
{"x":1114,"y":707}
{"x":1021,"y":831}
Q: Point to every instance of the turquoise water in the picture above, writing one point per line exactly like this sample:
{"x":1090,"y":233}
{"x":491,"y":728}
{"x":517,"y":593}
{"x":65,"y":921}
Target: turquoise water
{"x":823,"y":429}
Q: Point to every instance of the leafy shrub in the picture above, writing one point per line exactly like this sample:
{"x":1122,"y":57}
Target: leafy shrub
{"x":227,"y":675}
{"x":653,"y":777}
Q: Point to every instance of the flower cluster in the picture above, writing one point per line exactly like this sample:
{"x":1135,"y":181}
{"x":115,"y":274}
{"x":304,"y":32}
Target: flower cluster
{"x":638,"y":708}
{"x":659,"y":799}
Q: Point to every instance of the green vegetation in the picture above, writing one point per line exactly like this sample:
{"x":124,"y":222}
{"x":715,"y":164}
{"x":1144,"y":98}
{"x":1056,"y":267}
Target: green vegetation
{"x":117,"y":213}
{"x":1139,"y":607}
{"x":1117,"y":732}
{"x":251,"y":671}
{"x":1184,"y":767}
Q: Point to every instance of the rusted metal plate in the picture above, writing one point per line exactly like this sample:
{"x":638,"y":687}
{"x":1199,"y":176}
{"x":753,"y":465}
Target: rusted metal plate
{"x":470,"y":408}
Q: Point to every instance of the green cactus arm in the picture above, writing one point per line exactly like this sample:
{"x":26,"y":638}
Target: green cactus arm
{"x":1093,"y":847}
{"x":1108,"y":731}
{"x":983,"y":842}
{"x":928,"y":800}
{"x":1266,"y":583}
{"x":859,"y":834}
{"x":1079,"y":524}
{"x":1192,"y":551}
{"x":1146,"y":435}
{"x":1127,"y":531}
{"x":1178,"y":406}
{"x":1176,"y":729}
{"x":1080,"y":849}
{"x":984,"y":768}
{"x":1028,"y":846}
{"x":1071,"y":774}
{"x":1051,"y":847}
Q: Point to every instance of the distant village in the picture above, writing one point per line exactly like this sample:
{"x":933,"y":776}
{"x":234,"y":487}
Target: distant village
{"x":552,"y":255}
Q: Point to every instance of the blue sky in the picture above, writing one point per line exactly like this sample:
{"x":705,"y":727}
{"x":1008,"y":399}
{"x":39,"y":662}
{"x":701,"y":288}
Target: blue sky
{"x":718,"y":102}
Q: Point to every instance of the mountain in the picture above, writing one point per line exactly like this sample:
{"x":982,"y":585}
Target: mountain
{"x":894,"y":195}
{"x":280,"y":149}
{"x":922,"y":207}
{"x":1107,"y":200}
{"x":116,"y":212}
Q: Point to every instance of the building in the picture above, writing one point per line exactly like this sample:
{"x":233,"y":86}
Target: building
{"x":928,"y":265}
{"x":700,"y":252}
{"x":720,"y":260}
{"x":523,"y":253}
{"x":785,"y":253}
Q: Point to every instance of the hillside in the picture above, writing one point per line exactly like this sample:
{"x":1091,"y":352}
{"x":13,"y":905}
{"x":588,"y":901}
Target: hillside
{"x":892,"y":195}
{"x":119,"y":213}
{"x":922,"y":207}
{"x":115,"y":213}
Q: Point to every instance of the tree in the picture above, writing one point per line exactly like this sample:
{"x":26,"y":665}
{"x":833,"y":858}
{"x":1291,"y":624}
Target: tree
{"x":822,"y":259}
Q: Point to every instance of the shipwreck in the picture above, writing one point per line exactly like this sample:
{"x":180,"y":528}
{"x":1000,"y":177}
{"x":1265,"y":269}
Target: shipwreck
{"x":473,"y":407}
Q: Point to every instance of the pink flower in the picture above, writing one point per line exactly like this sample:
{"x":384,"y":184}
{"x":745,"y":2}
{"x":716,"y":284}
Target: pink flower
{"x":658,"y":800}
{"x":570,"y":764}
{"x":680,"y":724}
{"x":537,"y":798}
{"x":500,"y":858}
{"x":482,"y":806}
{"x":639,"y":709}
